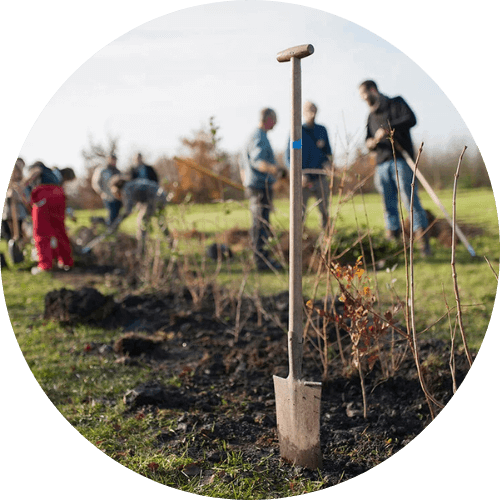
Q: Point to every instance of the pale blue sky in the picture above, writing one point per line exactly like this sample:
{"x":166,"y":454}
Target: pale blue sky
{"x":164,"y":79}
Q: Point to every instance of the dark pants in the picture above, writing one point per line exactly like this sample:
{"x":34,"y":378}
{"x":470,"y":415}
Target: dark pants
{"x":318,"y":187}
{"x":113,"y":208}
{"x":260,"y":208}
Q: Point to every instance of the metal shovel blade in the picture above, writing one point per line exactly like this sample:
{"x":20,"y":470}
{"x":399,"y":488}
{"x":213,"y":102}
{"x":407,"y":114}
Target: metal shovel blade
{"x":15,"y":253}
{"x":298,"y":414}
{"x":92,"y":243}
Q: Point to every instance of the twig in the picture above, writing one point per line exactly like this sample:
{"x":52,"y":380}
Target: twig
{"x":400,"y":203}
{"x":412,"y":247}
{"x":453,"y":268}
{"x":491,"y":267}
{"x":237,"y":327}
{"x":412,"y":290}
{"x":451,"y":362}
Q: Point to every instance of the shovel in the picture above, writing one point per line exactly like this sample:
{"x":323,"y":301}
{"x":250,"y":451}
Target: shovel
{"x":15,"y":252}
{"x":297,"y":401}
{"x":112,"y":229}
{"x":436,"y":200}
{"x":92,"y":243}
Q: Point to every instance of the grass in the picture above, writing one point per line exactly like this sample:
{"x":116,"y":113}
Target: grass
{"x":477,"y":283}
{"x":88,"y":389}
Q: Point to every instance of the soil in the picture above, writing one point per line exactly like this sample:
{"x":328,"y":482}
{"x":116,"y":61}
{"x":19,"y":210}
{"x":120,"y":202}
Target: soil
{"x":225,"y":389}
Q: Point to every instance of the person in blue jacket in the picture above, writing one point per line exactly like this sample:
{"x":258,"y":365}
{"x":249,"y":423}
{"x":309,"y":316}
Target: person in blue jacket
{"x":259,"y":173}
{"x":317,"y":155}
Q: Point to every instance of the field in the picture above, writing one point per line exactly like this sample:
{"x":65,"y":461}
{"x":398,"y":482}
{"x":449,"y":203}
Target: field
{"x":174,"y":379}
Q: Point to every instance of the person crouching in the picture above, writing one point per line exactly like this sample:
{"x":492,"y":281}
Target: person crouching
{"x":143,"y":194}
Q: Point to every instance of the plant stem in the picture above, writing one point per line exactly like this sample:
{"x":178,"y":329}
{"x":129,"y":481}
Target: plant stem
{"x":412,"y":290}
{"x":453,"y":268}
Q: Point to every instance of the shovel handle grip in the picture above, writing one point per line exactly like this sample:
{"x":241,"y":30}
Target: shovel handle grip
{"x":300,"y":51}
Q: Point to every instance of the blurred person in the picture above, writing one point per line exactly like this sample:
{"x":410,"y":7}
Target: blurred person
{"x":14,"y":196}
{"x":386,"y":114}
{"x":100,"y":184}
{"x":66,"y":175}
{"x":316,"y":154}
{"x":143,"y":171}
{"x":259,"y":172}
{"x":144,"y":194}
{"x":48,"y":208}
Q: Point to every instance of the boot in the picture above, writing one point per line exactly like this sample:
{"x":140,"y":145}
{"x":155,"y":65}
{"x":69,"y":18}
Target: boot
{"x":422,"y":241}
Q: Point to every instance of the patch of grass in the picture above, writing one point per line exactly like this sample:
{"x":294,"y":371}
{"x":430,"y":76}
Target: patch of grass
{"x":477,"y":283}
{"x":88,"y":390}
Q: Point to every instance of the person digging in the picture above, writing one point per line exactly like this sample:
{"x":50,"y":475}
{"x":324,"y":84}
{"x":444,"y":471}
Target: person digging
{"x":143,"y":194}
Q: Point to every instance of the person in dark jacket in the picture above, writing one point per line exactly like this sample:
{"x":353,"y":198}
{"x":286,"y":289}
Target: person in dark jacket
{"x":394,"y":114}
{"x":143,"y":171}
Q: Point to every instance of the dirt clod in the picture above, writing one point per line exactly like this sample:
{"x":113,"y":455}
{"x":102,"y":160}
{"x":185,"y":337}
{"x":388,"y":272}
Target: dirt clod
{"x":86,"y":305}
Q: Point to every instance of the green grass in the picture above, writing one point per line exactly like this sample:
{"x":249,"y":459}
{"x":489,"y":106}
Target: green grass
{"x":433,"y":277}
{"x":88,"y":389}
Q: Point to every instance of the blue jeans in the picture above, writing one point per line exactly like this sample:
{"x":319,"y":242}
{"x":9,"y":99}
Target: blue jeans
{"x":113,"y":208}
{"x":386,"y":185}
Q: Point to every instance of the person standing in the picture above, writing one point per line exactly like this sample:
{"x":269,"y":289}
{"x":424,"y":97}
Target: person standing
{"x":316,"y":154}
{"x":100,"y":184}
{"x":48,"y":208}
{"x":14,"y":201}
{"x":259,"y":172}
{"x":386,"y":114}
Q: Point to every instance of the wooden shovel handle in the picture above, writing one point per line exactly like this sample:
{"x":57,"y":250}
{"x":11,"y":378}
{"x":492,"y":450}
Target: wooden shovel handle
{"x":300,"y":51}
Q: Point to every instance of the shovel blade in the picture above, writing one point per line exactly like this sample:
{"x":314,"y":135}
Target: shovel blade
{"x":15,"y":252}
{"x":92,"y":243}
{"x":298,"y":416}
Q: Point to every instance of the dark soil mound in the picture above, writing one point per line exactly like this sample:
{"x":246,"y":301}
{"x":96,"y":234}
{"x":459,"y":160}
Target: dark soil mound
{"x":225,"y":380}
{"x":82,"y":306}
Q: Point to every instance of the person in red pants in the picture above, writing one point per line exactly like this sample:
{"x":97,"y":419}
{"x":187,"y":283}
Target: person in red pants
{"x":48,"y":207}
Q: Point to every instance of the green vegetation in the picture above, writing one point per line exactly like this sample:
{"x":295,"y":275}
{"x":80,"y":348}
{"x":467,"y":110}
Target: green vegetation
{"x":88,"y":391}
{"x":433,"y":277}
{"x":58,"y":357}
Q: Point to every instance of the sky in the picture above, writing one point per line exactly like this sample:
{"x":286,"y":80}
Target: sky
{"x":164,"y":79}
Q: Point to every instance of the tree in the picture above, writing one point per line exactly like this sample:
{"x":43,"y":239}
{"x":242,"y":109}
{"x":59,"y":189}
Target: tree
{"x":96,"y":153}
{"x":204,"y":151}
{"x":94,"y":156}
